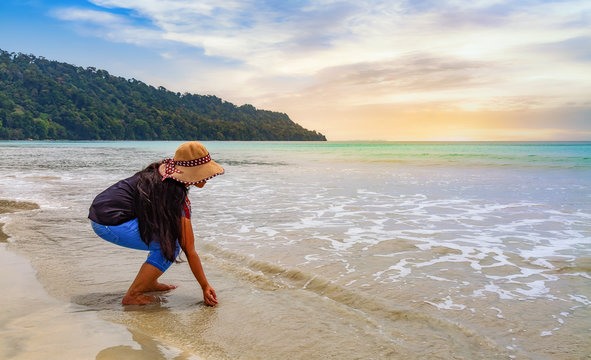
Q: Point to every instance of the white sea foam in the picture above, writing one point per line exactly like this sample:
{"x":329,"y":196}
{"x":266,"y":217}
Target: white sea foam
{"x":499,"y":312}
{"x":465,"y":239}
{"x":394,"y":272}
{"x":492,"y":288}
{"x":447,"y":304}
{"x":536,"y":288}
{"x":580,"y":299}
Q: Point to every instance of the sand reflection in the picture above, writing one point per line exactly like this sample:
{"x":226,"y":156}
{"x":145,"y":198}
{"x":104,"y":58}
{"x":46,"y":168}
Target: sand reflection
{"x":149,"y":349}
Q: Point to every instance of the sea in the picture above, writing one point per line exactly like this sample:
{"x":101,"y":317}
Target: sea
{"x":317,"y":250}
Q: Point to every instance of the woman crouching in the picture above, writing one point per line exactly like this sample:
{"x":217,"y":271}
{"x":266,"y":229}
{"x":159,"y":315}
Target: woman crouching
{"x":151,"y":211}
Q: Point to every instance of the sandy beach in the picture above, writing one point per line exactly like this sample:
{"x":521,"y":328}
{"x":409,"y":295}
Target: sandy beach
{"x":35,"y":325}
{"x":336,"y":250}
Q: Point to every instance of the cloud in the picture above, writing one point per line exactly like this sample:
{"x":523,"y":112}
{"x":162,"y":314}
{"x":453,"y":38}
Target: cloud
{"x":110,"y":26}
{"x":305,"y":37}
{"x":91,"y":16}
{"x":576,"y":48}
{"x":481,"y":55}
{"x":414,"y":74}
{"x":259,"y":33}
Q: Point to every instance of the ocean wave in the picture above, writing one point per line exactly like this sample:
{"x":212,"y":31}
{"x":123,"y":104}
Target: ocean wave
{"x":225,"y":161}
{"x":377,"y":313}
{"x":8,"y":206}
{"x":43,"y":178}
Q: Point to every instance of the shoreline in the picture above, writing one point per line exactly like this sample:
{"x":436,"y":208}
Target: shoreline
{"x":35,"y":325}
{"x":451,"y":247}
{"x":3,"y":236}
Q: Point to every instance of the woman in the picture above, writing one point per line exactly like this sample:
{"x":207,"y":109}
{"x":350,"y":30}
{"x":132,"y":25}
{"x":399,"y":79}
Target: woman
{"x":151,"y":211}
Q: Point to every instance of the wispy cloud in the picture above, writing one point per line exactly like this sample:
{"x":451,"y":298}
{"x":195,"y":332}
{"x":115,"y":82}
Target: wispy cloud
{"x":483,"y":54}
{"x":110,"y":26}
{"x":576,"y":48}
{"x":287,"y":36}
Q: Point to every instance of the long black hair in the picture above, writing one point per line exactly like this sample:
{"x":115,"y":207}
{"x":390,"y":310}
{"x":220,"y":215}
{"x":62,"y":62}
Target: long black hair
{"x":159,"y":206}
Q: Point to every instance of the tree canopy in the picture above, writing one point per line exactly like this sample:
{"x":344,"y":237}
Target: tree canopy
{"x":44,"y":99}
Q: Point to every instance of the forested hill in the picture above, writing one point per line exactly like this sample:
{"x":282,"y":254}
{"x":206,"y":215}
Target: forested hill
{"x":43,"y":99}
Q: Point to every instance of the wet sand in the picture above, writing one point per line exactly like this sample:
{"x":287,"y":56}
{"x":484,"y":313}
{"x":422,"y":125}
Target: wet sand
{"x":3,"y":236}
{"x":437,"y":258}
{"x":34,"y":325}
{"x":9,"y":206}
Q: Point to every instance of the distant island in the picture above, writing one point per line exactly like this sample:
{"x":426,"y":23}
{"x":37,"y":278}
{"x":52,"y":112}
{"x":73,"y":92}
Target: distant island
{"x":43,"y":99}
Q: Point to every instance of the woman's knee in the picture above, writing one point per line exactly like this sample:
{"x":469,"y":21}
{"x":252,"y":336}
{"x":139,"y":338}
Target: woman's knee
{"x":158,"y":260}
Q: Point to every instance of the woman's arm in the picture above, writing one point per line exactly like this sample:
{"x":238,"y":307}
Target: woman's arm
{"x":188,"y":246}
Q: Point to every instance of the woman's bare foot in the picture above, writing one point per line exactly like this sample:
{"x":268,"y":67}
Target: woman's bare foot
{"x":160,"y":287}
{"x":138,"y":299}
{"x":146,"y":280}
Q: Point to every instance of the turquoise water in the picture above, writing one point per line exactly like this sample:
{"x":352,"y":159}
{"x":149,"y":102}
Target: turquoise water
{"x":374,"y":249}
{"x":558,"y":154}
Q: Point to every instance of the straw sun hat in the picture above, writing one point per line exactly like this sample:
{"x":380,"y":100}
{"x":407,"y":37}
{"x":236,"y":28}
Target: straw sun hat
{"x":191,"y":164}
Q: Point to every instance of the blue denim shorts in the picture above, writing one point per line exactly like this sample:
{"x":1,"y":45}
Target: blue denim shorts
{"x":128,"y":235}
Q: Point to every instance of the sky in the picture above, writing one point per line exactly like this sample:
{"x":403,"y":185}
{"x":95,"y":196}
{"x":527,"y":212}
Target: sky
{"x":415,"y":70}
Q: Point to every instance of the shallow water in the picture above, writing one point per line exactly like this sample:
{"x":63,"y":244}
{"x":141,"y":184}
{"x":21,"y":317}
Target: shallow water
{"x":34,"y":325}
{"x":334,"y":250}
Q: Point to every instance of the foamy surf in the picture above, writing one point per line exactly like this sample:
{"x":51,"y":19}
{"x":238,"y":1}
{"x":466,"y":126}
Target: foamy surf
{"x":37,"y":326}
{"x":335,"y":250}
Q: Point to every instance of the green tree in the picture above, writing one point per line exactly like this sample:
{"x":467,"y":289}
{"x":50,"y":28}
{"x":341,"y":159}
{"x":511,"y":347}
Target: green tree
{"x":45,"y":99}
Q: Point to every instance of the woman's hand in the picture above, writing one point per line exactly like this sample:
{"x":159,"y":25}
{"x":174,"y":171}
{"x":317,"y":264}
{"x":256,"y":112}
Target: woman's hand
{"x":209,"y":296}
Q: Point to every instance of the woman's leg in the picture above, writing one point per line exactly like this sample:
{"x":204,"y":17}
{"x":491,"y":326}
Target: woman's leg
{"x":145,"y":281}
{"x":127,"y":235}
{"x":157,"y":260}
